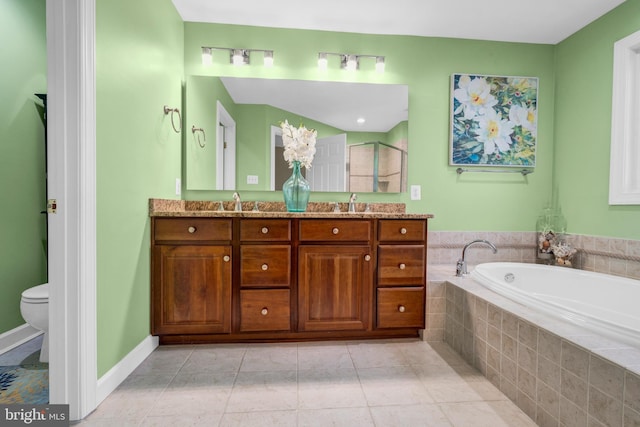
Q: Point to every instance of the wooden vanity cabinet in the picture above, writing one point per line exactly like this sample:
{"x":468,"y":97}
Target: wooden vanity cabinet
{"x":335,"y":275}
{"x":191,"y":276}
{"x":265,"y":275}
{"x":401,"y":274}
{"x":230,"y":279}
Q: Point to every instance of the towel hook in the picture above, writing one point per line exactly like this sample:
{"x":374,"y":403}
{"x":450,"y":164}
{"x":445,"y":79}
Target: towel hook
{"x":194,"y":129}
{"x":173,"y":111}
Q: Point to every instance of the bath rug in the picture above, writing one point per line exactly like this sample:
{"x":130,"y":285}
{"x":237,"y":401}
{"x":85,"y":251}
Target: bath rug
{"x":24,"y":384}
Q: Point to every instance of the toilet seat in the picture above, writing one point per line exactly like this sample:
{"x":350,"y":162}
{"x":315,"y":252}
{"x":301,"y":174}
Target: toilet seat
{"x":36,"y":295}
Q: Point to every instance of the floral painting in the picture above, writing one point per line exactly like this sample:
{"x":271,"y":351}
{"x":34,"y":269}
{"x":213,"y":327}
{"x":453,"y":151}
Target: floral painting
{"x":494,"y":120}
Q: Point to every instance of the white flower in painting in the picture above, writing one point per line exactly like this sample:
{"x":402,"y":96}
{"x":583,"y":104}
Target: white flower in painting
{"x":474,"y":96}
{"x":525,"y":117}
{"x":299,"y":144}
{"x":494,"y":132}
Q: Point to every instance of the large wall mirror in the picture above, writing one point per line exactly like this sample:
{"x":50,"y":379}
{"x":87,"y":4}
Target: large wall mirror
{"x":234,"y":140}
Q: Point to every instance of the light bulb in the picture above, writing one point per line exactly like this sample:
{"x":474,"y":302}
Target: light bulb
{"x":322,"y":61}
{"x":238,"y":57}
{"x":268,"y":58}
{"x":352,"y":63}
{"x":207,"y":59}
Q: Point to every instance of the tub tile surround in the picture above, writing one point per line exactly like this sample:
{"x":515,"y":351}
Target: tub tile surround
{"x":557,"y":373}
{"x":619,"y":257}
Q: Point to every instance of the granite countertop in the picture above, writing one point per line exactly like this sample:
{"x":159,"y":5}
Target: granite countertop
{"x":186,"y":208}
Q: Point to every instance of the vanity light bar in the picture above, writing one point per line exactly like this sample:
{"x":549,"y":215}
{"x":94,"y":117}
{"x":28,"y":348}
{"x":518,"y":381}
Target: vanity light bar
{"x":350,"y":62}
{"x":236,"y":56}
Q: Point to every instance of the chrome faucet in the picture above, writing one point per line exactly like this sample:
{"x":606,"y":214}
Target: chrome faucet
{"x":461,"y":266}
{"x":352,"y":202}
{"x":236,"y":197}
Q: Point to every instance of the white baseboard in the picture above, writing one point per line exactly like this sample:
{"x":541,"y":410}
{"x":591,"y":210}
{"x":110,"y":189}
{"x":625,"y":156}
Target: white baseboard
{"x":17,"y":336}
{"x":114,"y":377}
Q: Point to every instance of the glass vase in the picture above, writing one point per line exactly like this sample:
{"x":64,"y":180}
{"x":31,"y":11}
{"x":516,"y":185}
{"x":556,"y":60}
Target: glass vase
{"x":296,"y":190}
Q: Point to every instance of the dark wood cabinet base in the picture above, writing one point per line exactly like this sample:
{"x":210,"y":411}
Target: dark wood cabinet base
{"x":288,"y":337}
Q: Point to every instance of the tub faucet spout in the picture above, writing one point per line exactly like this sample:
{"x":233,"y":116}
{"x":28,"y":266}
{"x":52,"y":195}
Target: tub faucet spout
{"x":236,"y":197}
{"x":461,"y":266}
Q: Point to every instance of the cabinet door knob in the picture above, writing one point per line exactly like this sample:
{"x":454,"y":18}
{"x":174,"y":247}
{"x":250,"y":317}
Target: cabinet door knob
{"x":264,"y":311}
{"x":403,"y":230}
{"x":367,"y":257}
{"x":401,"y":308}
{"x":192,"y":229}
{"x":335,"y":230}
{"x":226,"y":258}
{"x":265,"y":230}
{"x":402,"y":266}
{"x":265,"y":267}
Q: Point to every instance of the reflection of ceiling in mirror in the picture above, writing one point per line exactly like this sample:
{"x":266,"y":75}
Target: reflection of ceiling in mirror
{"x":337,"y":104}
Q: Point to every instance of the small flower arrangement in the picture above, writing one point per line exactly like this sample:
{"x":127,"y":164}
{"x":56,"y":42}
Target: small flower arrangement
{"x":299,"y":144}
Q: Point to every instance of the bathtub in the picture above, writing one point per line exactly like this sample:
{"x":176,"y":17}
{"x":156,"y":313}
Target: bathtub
{"x":607,"y":305}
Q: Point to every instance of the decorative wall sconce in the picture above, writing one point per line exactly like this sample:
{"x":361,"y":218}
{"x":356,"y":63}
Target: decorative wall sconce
{"x":349,"y":62}
{"x":236,"y":56}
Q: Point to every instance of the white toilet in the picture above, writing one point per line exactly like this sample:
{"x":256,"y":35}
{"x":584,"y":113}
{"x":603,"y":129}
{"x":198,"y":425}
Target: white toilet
{"x":34,"y":307}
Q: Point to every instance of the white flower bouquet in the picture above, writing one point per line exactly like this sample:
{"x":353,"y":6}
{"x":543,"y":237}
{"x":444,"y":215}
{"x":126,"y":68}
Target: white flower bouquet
{"x":299,"y":144}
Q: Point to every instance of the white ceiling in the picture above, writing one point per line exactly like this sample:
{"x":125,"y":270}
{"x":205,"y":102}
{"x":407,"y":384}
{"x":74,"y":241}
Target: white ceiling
{"x":334,"y":103}
{"x":527,"y":21}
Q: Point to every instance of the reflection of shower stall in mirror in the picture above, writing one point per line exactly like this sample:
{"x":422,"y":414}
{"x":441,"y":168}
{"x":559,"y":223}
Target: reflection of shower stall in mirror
{"x":377,"y":167}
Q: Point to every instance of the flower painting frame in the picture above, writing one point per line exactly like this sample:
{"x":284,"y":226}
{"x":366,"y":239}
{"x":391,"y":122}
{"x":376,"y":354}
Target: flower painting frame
{"x":494,"y":121}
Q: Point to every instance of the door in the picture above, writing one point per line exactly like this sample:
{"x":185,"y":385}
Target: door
{"x":191,"y":290}
{"x":329,"y":168}
{"x":334,"y":288}
{"x":225,"y":150}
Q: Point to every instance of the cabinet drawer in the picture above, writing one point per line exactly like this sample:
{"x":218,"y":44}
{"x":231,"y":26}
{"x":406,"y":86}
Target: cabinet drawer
{"x":335,"y":230}
{"x":192,"y":229}
{"x":401,"y":308}
{"x":400,"y":230}
{"x":265,"y":230}
{"x":265,"y":265}
{"x":265,"y":310}
{"x":401,"y":265}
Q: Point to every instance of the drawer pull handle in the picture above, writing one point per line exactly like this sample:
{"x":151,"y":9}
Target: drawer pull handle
{"x":264,"y":311}
{"x":265,"y":267}
{"x":336,"y":230}
{"x":226,"y":258}
{"x":401,"y":308}
{"x":367,"y":257}
{"x":265,"y":230}
{"x":192,"y":229}
{"x":402,"y":266}
{"x":403,"y":230}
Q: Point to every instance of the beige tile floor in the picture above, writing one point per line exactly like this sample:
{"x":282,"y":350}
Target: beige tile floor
{"x":356,"y":383}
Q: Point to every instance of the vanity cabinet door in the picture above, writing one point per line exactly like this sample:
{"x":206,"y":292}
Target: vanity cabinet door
{"x":191,"y":292}
{"x":334,"y":288}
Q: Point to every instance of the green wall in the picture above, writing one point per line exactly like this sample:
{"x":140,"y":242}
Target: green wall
{"x":500,"y":202}
{"x":584,"y":79}
{"x":139,"y":71}
{"x":22,"y":154}
{"x":201,"y":111}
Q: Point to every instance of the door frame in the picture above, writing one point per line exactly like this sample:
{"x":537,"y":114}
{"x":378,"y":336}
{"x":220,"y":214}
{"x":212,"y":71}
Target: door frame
{"x":72,"y":182}
{"x":225,"y":156}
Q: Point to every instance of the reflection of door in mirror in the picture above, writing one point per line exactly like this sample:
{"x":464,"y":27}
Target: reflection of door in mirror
{"x":225,"y":150}
{"x":328,"y":171}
